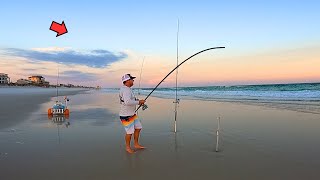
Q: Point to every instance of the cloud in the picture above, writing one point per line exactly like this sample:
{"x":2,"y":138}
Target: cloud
{"x":79,"y":75}
{"x":34,"y":69}
{"x":73,"y":77}
{"x":51,"y":49}
{"x":95,"y":58}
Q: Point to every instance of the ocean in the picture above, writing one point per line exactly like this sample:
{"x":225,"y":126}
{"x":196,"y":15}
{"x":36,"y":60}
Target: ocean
{"x":303,"y":97}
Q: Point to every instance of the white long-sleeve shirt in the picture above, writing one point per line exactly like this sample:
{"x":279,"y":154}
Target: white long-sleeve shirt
{"x":128,"y":101}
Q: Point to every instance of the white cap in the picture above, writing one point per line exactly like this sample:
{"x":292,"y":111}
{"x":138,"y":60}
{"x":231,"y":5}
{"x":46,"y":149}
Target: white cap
{"x":126,"y":77}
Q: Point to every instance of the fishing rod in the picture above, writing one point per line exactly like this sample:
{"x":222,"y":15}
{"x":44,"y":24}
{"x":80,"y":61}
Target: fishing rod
{"x":176,"y":102}
{"x":175,"y":69}
{"x":57,"y":84}
{"x":217,"y":134}
{"x":140,"y":75}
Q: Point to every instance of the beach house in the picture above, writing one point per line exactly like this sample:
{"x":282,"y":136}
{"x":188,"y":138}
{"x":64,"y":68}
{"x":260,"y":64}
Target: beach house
{"x":38,"y":80}
{"x":23,"y":82}
{"x":4,"y":79}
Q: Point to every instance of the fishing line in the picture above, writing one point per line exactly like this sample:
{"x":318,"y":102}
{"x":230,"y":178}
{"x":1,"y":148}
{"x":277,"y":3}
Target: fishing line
{"x":175,"y":69}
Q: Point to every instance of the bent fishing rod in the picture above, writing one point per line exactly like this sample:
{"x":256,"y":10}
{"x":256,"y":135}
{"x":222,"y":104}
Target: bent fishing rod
{"x":175,"y":69}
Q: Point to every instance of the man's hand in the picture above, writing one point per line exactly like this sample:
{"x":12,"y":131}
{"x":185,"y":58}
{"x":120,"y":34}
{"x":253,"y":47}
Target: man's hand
{"x":141,"y":102}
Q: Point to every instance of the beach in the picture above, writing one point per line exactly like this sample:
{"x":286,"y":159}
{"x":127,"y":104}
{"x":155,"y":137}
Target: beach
{"x":17,"y":103}
{"x":255,"y":142}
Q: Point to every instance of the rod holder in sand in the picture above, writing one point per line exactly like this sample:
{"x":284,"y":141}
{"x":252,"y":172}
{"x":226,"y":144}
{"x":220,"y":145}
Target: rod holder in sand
{"x":177,"y":101}
{"x":217,"y":133}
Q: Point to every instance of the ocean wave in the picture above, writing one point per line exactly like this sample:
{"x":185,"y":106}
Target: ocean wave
{"x":302,"y":97}
{"x":283,"y":92}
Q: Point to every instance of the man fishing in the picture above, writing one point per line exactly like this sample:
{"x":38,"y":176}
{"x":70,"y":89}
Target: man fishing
{"x":128,"y":105}
{"x":129,"y":119}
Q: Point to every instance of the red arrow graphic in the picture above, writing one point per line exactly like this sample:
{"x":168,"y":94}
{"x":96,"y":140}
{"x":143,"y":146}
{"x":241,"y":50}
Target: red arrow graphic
{"x":58,"y":28}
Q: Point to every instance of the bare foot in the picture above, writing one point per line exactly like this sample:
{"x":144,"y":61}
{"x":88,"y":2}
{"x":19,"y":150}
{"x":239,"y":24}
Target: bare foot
{"x":129,"y":150}
{"x":139,"y":147}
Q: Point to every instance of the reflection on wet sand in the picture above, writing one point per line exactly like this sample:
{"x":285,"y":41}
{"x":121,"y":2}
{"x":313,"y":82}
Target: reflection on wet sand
{"x":59,"y":120}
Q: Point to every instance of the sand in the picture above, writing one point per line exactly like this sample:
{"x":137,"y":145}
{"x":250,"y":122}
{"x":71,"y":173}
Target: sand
{"x":256,"y":142}
{"x":17,"y":103}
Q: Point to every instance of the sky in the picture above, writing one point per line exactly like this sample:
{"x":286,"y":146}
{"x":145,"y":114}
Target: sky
{"x":266,"y":41}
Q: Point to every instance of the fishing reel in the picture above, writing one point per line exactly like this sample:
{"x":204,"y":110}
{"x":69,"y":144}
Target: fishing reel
{"x":144,"y":107}
{"x":177,"y":101}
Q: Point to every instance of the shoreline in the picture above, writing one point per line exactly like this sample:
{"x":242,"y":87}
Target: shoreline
{"x":311,"y":107}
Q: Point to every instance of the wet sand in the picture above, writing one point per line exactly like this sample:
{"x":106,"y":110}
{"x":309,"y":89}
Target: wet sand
{"x":255,"y":142}
{"x":17,"y":103}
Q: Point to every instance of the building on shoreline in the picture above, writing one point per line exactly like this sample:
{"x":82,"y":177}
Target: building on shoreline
{"x":23,"y":82}
{"x":4,"y":79}
{"x":38,"y":80}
